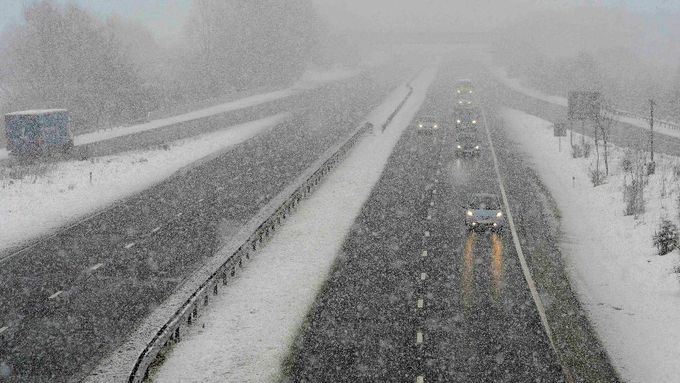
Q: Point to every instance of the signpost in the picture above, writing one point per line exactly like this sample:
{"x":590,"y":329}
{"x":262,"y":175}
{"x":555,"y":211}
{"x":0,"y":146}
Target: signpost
{"x":559,"y":131}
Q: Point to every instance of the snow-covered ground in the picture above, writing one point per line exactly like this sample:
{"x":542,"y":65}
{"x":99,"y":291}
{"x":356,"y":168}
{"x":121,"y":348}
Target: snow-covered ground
{"x":245,"y":333}
{"x":55,"y":194}
{"x":309,"y":80}
{"x":630,"y":293}
{"x":515,"y":84}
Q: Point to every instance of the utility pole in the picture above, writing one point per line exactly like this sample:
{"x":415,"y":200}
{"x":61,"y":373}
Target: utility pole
{"x":651,"y":128}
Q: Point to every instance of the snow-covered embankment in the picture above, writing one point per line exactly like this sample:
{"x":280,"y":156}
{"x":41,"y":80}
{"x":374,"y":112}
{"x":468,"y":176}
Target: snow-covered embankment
{"x":630,"y":293}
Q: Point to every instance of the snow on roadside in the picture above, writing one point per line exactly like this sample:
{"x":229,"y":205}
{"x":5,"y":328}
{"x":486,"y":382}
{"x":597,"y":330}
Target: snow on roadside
{"x":630,"y":293}
{"x":245,"y":333}
{"x":56,"y":194}
{"x":516,"y":85}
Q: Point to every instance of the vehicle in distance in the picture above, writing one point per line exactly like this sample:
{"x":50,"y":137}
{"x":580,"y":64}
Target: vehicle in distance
{"x":464,"y":86}
{"x":466,"y":117}
{"x":484,"y":212}
{"x":36,"y":132}
{"x":464,"y":102}
{"x":427,"y":124}
{"x":467,"y":144}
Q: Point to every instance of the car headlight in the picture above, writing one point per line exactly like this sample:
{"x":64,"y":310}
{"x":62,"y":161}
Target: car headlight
{"x":499,"y":214}
{"x":458,"y":91}
{"x":435,"y":126}
{"x":476,"y":146}
{"x":460,"y":101}
{"x":474,"y":121}
{"x":458,"y":146}
{"x":469,"y":213}
{"x":420,"y":125}
{"x":457,"y":121}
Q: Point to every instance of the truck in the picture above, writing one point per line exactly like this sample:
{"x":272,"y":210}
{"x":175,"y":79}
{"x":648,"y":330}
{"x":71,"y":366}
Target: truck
{"x":33,"y":133}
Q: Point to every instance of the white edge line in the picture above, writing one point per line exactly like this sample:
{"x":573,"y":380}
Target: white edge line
{"x":518,"y":247}
{"x":55,"y":294}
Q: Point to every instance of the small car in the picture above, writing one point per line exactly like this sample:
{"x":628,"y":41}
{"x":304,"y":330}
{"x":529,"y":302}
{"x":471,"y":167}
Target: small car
{"x":464,"y":86}
{"x":466,"y":117}
{"x":464,"y":102}
{"x":427,"y":124}
{"x":467,"y":144}
{"x":484,"y":212}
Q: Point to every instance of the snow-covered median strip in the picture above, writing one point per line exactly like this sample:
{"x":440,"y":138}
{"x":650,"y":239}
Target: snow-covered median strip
{"x":630,"y":293}
{"x":57,"y":194}
{"x":249,"y":327}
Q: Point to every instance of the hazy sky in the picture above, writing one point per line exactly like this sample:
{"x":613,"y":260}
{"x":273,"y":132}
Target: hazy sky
{"x":166,"y":18}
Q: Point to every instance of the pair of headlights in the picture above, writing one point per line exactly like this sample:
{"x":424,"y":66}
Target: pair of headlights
{"x":498,"y":215}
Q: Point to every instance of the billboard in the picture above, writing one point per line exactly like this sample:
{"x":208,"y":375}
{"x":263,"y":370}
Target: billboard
{"x":584,"y":105}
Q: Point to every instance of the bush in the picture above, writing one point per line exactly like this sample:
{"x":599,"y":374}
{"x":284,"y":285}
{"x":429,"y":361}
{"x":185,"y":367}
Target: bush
{"x":634,"y":198}
{"x":597,"y":177}
{"x":666,"y":239}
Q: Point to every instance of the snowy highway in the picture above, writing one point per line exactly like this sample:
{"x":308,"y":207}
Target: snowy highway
{"x":72,"y":297}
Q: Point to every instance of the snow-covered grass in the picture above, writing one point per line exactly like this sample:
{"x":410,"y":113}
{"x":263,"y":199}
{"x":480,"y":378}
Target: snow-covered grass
{"x":630,"y":293}
{"x":246,"y":332}
{"x":39,"y":198}
{"x":517,"y":85}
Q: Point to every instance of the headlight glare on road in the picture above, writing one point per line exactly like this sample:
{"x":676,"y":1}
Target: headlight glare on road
{"x":499,"y":214}
{"x":469,"y":213}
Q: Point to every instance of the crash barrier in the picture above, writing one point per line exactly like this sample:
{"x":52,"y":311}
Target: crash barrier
{"x":171,"y":331}
{"x":657,"y":122}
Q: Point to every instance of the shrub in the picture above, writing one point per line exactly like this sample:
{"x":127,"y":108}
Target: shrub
{"x":597,"y":177}
{"x":666,"y":239}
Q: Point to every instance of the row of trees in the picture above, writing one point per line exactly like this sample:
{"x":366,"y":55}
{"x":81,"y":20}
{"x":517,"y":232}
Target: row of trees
{"x":112,"y":71}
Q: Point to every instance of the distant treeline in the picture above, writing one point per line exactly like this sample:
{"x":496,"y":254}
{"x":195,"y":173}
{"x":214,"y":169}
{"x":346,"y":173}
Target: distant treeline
{"x":113,"y":71}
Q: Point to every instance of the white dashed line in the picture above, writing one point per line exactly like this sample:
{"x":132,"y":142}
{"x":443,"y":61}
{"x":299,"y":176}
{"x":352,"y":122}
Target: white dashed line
{"x":58,"y":293}
{"x":96,"y":267}
{"x":179,"y":214}
{"x":129,"y":245}
{"x":434,"y":191}
{"x":436,"y":180}
{"x":432,"y":203}
{"x":420,"y":379}
{"x":423,"y":276}
{"x":429,"y":216}
{"x":420,"y":303}
{"x":424,"y":254}
{"x":419,"y":337}
{"x":427,"y":233}
{"x":3,"y":329}
{"x":201,"y":200}
{"x":155,"y":229}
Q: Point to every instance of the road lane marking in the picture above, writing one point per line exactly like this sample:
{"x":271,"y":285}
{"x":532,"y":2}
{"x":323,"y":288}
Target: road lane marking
{"x":434,"y":191}
{"x":3,"y":329}
{"x":520,"y":254}
{"x":129,"y":245}
{"x":155,"y":229}
{"x":96,"y":267}
{"x":58,"y":293}
{"x":201,"y":200}
{"x":419,"y":337}
{"x":432,"y":203}
{"x":429,"y":216}
{"x":427,"y":233}
{"x":424,"y":254}
{"x":423,"y":276}
{"x":420,"y":303}
{"x":420,"y":379}
{"x":436,"y":180}
{"x":179,"y":214}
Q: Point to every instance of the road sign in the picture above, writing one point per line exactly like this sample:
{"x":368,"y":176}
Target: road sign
{"x":560,"y":129}
{"x":584,"y":105}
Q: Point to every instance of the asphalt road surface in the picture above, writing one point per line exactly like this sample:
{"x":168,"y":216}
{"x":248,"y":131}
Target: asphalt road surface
{"x":73,"y":297}
{"x":415,"y":297}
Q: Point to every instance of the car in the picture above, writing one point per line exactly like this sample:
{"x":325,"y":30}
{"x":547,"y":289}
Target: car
{"x":464,"y":102}
{"x":467,"y":144}
{"x":464,"y":86}
{"x":484,"y":211}
{"x":427,"y":124}
{"x":466,"y":117}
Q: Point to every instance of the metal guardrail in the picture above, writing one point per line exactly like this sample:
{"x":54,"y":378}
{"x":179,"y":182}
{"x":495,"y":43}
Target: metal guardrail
{"x":171,"y":331}
{"x":657,"y":122}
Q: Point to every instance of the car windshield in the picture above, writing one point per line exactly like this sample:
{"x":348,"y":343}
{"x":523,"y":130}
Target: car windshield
{"x":485,"y":202}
